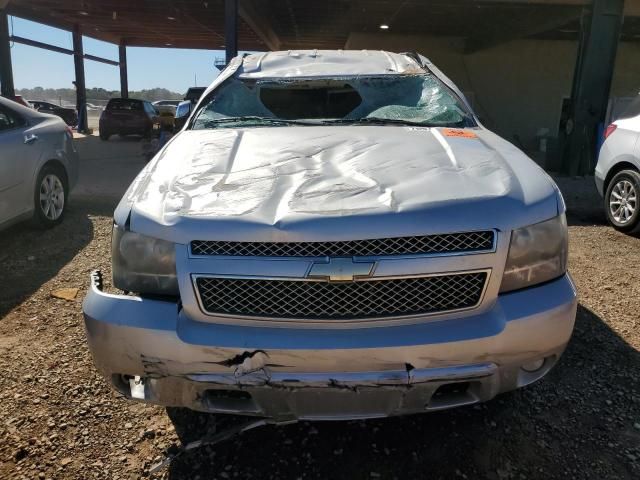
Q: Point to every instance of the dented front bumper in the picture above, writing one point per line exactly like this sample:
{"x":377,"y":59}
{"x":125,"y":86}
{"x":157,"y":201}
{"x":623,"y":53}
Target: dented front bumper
{"x":151,"y":350}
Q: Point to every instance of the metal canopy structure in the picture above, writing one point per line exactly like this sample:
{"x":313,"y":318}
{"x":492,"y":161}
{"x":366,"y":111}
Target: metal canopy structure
{"x":147,"y":23}
{"x":297,"y":24}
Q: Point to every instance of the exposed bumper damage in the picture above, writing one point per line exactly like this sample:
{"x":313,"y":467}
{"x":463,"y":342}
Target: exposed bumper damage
{"x":150,"y":350}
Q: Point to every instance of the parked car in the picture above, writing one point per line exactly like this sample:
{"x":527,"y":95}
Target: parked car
{"x":128,"y":116}
{"x":167,"y":109}
{"x":38,"y":165}
{"x":167,"y":105}
{"x":617,"y":173}
{"x":333,"y":235}
{"x":69,"y":115}
{"x":182,"y":115}
{"x":194,"y":94}
{"x":92,"y":107}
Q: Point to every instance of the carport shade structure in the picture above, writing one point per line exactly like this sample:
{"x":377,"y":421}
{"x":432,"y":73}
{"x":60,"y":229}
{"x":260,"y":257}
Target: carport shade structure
{"x":296,"y":24}
{"x":120,"y":22}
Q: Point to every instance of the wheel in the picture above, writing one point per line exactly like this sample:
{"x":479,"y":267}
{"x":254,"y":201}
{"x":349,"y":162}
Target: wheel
{"x":104,"y":135}
{"x":50,"y":196}
{"x":621,"y":201}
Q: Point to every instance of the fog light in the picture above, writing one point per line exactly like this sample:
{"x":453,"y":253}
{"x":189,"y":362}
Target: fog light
{"x":533,"y":366}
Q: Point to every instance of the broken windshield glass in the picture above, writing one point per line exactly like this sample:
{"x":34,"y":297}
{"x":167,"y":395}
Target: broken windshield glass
{"x":390,"y":99}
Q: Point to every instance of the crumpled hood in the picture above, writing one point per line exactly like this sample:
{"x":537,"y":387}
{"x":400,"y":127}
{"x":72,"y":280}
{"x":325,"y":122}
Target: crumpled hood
{"x":343,"y":182}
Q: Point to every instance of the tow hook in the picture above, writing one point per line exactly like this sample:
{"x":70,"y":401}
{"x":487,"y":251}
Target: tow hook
{"x":136,"y":384}
{"x":96,"y":279}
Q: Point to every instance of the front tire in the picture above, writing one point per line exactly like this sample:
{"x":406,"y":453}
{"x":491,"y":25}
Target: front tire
{"x":50,"y":196}
{"x":104,"y":135}
{"x":621,"y":201}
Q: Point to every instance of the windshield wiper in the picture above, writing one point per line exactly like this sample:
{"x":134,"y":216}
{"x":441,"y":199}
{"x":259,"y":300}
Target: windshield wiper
{"x":379,"y":121}
{"x":252,"y":119}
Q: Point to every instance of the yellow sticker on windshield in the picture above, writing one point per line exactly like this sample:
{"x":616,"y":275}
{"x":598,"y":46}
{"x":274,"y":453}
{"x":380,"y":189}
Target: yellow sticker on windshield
{"x":458,"y":132}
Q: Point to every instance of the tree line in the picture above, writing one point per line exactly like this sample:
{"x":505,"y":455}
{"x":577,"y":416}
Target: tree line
{"x":94,"y":95}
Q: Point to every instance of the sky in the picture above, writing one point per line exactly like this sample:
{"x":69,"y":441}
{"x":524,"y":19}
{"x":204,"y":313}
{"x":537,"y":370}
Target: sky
{"x":171,"y":68}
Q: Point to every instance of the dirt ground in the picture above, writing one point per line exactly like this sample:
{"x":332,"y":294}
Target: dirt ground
{"x":60,"y":420}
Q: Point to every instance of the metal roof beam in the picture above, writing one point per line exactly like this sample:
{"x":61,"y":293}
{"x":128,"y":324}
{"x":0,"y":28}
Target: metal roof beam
{"x":7,"y":87}
{"x":54,"y":48}
{"x":593,"y":75}
{"x":42,"y":45}
{"x":230,"y":29}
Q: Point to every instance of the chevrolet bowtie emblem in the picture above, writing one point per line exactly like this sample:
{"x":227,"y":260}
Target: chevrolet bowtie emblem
{"x":341,"y":270}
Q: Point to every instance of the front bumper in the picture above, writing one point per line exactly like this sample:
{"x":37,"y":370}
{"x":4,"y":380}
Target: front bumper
{"x":150,"y":350}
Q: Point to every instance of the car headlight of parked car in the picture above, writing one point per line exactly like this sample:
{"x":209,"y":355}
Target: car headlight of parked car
{"x":537,"y":253}
{"x":143,"y":264}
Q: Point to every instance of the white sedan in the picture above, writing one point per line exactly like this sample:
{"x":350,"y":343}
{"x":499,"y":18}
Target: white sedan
{"x":618,"y":171}
{"x":38,"y":165}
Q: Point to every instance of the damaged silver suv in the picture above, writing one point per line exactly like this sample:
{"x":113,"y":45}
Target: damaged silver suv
{"x":333,"y":235}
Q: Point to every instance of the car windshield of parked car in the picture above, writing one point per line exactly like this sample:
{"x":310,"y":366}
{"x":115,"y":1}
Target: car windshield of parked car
{"x":123,"y":104}
{"x":386,"y":99}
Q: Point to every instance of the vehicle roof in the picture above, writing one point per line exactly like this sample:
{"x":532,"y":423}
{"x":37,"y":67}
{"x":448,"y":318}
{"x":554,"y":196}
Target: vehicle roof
{"x":119,"y":99}
{"x":42,"y":101}
{"x":326,"y":63}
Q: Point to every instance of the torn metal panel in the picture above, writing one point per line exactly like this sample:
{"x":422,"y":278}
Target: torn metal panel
{"x":326,"y":63}
{"x":352,"y":380}
{"x":278,"y":379}
{"x":267,"y":184}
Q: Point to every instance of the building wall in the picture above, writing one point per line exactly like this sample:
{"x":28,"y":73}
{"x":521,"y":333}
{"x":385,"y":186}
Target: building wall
{"x":517,"y":87}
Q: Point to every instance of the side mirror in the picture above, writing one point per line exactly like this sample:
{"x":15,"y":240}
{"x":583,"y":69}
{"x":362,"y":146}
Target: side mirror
{"x":182,"y":115}
{"x":183,"y":111}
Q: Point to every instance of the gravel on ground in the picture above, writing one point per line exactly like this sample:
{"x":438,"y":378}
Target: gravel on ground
{"x":60,"y":420}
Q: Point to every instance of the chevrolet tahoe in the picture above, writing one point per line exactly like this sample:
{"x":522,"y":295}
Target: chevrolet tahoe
{"x":333,"y":235}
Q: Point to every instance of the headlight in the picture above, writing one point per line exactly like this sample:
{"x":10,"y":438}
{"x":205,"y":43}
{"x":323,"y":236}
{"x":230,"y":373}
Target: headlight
{"x":143,"y":264}
{"x":538,"y":253}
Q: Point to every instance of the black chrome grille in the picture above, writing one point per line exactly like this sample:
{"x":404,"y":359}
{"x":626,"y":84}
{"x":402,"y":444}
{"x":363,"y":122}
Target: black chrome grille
{"x":443,"y":243}
{"x":335,"y":301}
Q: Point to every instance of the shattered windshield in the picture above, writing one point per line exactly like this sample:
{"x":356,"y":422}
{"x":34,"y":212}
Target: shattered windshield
{"x":389,"y":99}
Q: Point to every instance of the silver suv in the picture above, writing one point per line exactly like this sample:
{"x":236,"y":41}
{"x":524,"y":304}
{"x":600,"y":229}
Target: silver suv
{"x":333,"y":235}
